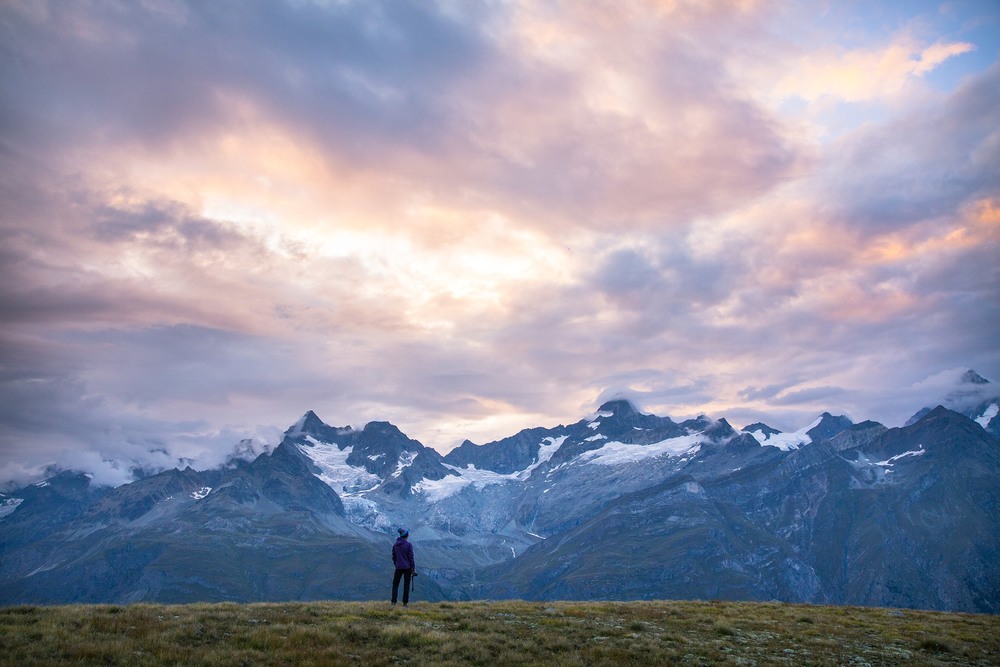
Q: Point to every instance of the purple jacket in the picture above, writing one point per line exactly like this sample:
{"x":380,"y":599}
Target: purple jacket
{"x":402,"y":555}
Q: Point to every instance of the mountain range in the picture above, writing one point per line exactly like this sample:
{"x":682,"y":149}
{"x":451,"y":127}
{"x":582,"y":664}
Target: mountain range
{"x":619,"y":505}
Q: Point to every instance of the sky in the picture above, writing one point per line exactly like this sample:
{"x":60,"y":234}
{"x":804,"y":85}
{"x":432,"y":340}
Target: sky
{"x":470,"y":218}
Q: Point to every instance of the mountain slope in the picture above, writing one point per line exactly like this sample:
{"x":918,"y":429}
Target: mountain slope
{"x":908,"y":519}
{"x":619,"y":505}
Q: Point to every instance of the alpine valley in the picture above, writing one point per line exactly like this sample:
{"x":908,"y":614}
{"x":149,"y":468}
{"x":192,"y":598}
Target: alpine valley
{"x":620,"y":505}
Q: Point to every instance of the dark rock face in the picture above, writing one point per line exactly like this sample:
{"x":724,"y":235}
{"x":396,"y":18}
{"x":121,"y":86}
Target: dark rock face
{"x":829,"y":426}
{"x":857,"y":435}
{"x":46,"y":507}
{"x":622,"y":505}
{"x":762,"y":427}
{"x":286,"y":479}
{"x":505,"y":456}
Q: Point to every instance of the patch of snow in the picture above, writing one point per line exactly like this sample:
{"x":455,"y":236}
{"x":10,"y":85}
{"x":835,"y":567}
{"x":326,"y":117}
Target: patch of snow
{"x":438,"y":489}
{"x":695,"y":488}
{"x":548,"y":473}
{"x":594,"y":425}
{"x":434,"y":490}
{"x":599,"y":436}
{"x":546,"y":449}
{"x":985,"y":418}
{"x":787,"y":441}
{"x":912,"y":452}
{"x":9,"y":505}
{"x":201,"y":493}
{"x":405,"y":461}
{"x":880,"y":472}
{"x":638,"y":428}
{"x":42,"y":485}
{"x":334,"y":469}
{"x":617,"y":453}
{"x":534,"y":534}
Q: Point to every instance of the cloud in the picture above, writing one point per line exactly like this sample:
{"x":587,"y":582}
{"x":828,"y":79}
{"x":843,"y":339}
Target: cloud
{"x":861,"y":75}
{"x":354,"y":71}
{"x":928,"y":163}
{"x":808,"y":395}
{"x":470,"y":219}
{"x":651,"y":135}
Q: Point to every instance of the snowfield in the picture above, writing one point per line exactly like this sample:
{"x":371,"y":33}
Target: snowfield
{"x":788,"y":441}
{"x":334,"y":469}
{"x":9,"y":505}
{"x":438,"y":489}
{"x":617,"y":453}
{"x":985,"y":418}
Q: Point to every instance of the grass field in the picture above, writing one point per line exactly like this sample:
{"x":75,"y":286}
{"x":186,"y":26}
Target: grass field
{"x":508,"y":633}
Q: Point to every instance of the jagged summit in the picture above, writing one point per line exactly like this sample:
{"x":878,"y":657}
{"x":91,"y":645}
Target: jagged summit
{"x":619,"y":407}
{"x":309,"y":420}
{"x":939,"y":412}
{"x":829,"y":426}
{"x":942,"y":415}
{"x":719,"y":430}
{"x":310,"y":424}
{"x":765,"y":430}
{"x":972,"y":377}
{"x":383,"y":428}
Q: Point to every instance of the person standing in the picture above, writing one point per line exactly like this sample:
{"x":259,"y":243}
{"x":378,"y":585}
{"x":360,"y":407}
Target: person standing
{"x":402,"y":559}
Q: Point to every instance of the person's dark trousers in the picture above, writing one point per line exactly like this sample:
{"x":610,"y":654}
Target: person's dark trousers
{"x":405,"y":576}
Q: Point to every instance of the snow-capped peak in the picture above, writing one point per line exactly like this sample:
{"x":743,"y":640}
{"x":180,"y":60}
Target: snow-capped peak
{"x":618,"y":407}
{"x":310,"y":424}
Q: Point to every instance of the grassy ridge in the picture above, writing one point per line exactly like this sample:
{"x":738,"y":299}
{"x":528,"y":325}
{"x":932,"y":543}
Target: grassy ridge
{"x":564,"y":633}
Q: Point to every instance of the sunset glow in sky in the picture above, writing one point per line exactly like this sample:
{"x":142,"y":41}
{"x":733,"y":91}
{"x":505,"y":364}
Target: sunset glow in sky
{"x":468,"y":218}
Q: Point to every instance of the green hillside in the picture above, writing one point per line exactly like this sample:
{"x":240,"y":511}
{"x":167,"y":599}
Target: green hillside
{"x":523,"y":633}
